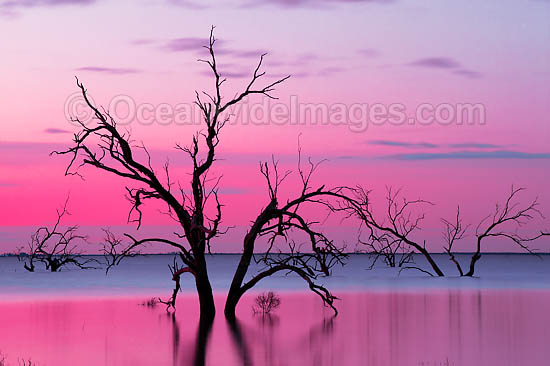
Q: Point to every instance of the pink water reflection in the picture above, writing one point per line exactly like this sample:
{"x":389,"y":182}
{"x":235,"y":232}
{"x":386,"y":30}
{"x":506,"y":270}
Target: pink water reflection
{"x":434,"y":328}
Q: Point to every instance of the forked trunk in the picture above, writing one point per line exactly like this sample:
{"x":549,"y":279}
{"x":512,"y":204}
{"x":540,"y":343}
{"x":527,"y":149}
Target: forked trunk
{"x":235,"y":291}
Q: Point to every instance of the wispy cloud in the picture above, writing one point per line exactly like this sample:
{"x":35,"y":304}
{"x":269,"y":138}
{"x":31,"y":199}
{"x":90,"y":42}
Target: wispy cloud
{"x":229,"y":74}
{"x":188,"y":4}
{"x":108,"y":70}
{"x":468,"y":73}
{"x":310,"y":3}
{"x":31,"y":3}
{"x":466,"y":155}
{"x":368,"y":52}
{"x":183,"y":44}
{"x":436,"y":62}
{"x":430,"y":145}
{"x":197,"y":45}
{"x":11,"y":8}
{"x":403,"y":144}
{"x":475,"y":145}
{"x":445,"y":63}
{"x":53,"y":130}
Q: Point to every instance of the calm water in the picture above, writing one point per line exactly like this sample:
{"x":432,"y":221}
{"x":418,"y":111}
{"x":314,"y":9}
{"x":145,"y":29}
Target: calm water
{"x":421,"y":321}
{"x":489,"y":327}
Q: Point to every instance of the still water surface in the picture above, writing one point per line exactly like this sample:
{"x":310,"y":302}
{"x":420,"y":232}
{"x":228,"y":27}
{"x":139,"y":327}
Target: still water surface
{"x":435,"y":327}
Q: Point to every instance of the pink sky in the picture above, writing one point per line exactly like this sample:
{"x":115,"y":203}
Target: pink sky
{"x":495,"y":54}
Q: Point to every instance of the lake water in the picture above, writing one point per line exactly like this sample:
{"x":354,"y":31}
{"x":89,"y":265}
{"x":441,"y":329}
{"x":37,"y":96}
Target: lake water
{"x":87,"y":318}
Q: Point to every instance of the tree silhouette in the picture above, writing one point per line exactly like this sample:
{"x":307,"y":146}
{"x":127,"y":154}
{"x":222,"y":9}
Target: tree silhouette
{"x":277,"y":221}
{"x":506,"y":222}
{"x":55,"y":247}
{"x":104,"y":146}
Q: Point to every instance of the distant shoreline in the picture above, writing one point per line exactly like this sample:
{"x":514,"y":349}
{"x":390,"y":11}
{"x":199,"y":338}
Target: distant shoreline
{"x":11,"y":255}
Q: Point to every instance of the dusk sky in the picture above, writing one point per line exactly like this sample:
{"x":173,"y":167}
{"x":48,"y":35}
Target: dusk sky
{"x":139,"y":60}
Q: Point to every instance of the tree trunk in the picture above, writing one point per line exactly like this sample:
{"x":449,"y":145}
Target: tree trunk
{"x":235,"y":291}
{"x":204,"y":290}
{"x":475,"y":257}
{"x":430,"y":260}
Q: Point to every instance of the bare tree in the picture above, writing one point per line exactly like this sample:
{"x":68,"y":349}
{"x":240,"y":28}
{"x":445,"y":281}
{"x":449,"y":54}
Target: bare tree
{"x":453,"y":232}
{"x":505,"y":223}
{"x":56,"y":247}
{"x":400,"y":222}
{"x":395,"y":229}
{"x":104,"y":146}
{"x":266,"y":302}
{"x":394,"y":252}
{"x":115,"y":250}
{"x":278,"y":221}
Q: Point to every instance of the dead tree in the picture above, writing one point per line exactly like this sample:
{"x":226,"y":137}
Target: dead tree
{"x":396,"y":228}
{"x":278,"y":221}
{"x":56,"y":247}
{"x":115,"y":250}
{"x":504,"y":223}
{"x":400,"y":222}
{"x":453,"y":232}
{"x":266,"y":303}
{"x":394,"y":252}
{"x":103,"y":145}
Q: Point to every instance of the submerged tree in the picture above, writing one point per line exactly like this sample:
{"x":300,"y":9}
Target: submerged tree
{"x":401,"y":224}
{"x":105,"y":146}
{"x":278,"y":220}
{"x":115,"y":250}
{"x":396,"y":228}
{"x":56,"y":247}
{"x":506,"y":223}
{"x":266,"y":302}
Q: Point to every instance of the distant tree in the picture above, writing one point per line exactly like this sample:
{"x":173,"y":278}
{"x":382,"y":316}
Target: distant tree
{"x":400,"y":224}
{"x":115,"y":250}
{"x":56,"y":247}
{"x":506,"y":223}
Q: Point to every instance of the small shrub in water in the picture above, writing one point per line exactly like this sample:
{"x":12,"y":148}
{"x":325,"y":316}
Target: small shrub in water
{"x":266,"y":303}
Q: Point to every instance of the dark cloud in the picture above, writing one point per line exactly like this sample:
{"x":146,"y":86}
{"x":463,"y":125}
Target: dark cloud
{"x":108,"y":70}
{"x":468,"y":155}
{"x":53,"y":130}
{"x":403,"y":144}
{"x":436,"y":62}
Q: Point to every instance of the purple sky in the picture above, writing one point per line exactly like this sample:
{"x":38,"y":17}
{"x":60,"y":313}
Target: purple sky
{"x":341,"y":54}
